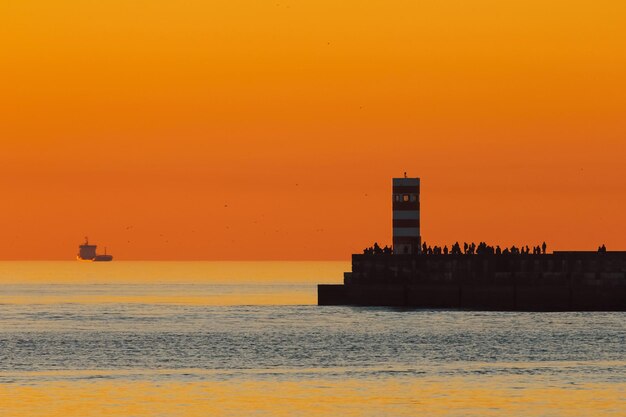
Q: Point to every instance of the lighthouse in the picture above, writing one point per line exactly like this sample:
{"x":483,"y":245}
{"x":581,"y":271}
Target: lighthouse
{"x":406,"y":215}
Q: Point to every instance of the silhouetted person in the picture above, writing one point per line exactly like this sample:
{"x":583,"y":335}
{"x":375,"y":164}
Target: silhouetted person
{"x":377,"y":249}
{"x":445,"y":250}
{"x":456,"y":249}
{"x":465,"y":247}
{"x":479,"y":249}
{"x":424,"y":248}
{"x":498,"y":250}
{"x":543,"y":248}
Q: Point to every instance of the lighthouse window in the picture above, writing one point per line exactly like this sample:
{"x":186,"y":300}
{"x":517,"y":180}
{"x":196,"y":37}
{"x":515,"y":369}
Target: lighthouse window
{"x":413,"y":198}
{"x":405,"y":197}
{"x":397,"y":197}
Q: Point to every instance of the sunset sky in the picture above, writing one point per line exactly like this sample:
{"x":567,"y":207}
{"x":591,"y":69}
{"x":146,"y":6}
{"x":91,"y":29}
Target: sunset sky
{"x":251,"y":129}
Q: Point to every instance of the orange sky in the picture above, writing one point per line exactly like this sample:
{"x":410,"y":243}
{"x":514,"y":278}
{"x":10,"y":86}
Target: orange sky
{"x":249,"y":129}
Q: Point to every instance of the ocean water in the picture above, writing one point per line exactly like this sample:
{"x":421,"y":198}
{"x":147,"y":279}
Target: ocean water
{"x":239,"y":339}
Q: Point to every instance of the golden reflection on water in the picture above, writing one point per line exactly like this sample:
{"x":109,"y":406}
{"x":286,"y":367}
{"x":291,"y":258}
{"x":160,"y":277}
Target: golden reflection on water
{"x":488,"y":396}
{"x":184,"y":283}
{"x":119,"y":272}
{"x":288,"y":298}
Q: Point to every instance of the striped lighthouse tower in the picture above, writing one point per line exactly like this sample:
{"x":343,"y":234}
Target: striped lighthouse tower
{"x":406,"y":216}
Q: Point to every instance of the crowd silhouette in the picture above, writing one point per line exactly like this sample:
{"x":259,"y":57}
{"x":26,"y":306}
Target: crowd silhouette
{"x":377,"y":250}
{"x":469,"y":249}
{"x":483,"y":249}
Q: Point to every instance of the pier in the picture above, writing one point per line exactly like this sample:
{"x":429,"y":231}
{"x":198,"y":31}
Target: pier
{"x":561,"y":281}
{"x":482,"y":277}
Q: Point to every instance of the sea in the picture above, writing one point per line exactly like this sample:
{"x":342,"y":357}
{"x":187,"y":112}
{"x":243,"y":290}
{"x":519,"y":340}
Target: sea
{"x":247,"y":339}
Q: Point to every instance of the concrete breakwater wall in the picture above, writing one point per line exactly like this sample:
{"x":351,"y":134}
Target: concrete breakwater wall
{"x":561,"y":281}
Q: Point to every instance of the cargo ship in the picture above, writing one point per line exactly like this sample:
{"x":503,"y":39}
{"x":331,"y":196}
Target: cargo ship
{"x":87,"y":252}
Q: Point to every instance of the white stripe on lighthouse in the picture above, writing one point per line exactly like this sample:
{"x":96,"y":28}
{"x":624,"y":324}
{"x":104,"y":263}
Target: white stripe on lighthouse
{"x":406,"y":231}
{"x":406,"y":214}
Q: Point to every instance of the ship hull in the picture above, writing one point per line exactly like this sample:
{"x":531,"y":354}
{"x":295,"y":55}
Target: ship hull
{"x":98,"y":258}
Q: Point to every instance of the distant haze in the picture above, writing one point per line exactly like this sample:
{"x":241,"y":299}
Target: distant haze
{"x":271,"y":130}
